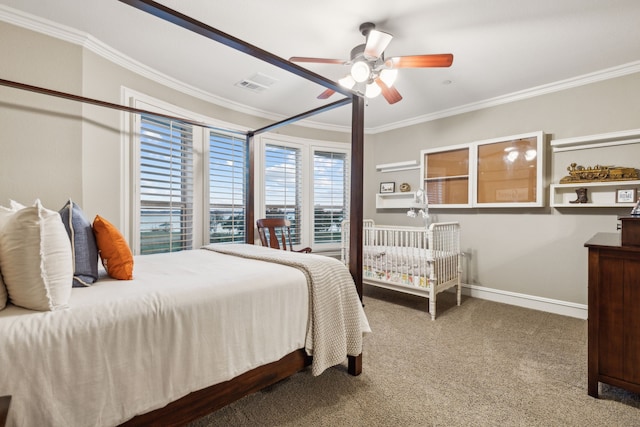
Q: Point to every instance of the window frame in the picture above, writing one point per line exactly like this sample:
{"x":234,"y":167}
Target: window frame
{"x":130,"y":144}
{"x":308,"y":147}
{"x":130,"y":154}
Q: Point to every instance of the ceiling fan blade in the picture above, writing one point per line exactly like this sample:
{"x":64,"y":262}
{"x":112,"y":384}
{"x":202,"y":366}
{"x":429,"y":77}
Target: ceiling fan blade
{"x":377,"y":42}
{"x":317,"y":60}
{"x":327,"y":93}
{"x":391,"y":94}
{"x":420,"y":61}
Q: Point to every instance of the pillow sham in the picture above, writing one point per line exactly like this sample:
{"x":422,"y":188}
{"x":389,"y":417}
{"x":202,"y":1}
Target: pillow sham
{"x":114,"y":251}
{"x":84,"y":250}
{"x":35,"y":259}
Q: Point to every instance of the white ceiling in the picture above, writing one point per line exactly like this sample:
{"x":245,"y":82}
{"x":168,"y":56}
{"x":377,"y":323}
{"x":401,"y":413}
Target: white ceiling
{"x":503,"y":49}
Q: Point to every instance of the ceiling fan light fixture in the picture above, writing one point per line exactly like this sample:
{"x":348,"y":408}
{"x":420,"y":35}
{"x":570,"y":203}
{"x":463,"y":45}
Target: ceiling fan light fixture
{"x":347,"y":81}
{"x":372,"y":90}
{"x":360,"y":71}
{"x":388,"y":76}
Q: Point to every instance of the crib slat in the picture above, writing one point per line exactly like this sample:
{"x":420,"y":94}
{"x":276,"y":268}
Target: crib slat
{"x":415,"y":260}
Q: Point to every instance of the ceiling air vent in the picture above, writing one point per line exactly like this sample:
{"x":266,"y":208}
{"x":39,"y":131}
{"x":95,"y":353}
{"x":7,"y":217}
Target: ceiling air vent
{"x":257,"y":83}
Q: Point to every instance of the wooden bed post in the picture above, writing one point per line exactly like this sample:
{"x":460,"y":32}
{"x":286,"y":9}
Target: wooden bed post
{"x":357,"y":180}
{"x":249,"y":183}
{"x":356,"y":209}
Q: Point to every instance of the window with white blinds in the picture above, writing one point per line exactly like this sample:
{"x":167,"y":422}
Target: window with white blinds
{"x":329,"y":195}
{"x":166,"y":185}
{"x":283,"y":186}
{"x":227,"y":198}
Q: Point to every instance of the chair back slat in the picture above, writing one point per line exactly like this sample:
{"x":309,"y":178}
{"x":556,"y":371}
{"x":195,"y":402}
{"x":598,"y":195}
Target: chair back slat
{"x":273,"y":231}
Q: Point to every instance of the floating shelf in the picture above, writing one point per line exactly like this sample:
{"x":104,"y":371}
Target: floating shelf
{"x":396,"y":200}
{"x":599,"y":194}
{"x":398,"y":166}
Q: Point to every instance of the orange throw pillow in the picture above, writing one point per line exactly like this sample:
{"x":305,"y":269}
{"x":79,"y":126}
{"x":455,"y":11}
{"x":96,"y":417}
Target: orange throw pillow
{"x":114,"y":251}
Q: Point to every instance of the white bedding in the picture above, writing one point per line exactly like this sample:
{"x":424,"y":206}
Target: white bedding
{"x":128,"y":347}
{"x":397,"y":259}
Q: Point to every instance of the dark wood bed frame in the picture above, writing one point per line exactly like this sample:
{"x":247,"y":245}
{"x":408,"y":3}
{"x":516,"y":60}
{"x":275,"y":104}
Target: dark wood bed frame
{"x":207,"y":400}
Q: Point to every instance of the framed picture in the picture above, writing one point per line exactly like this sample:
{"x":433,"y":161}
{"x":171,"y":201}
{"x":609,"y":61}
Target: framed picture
{"x":387,"y":187}
{"x":626,"y":195}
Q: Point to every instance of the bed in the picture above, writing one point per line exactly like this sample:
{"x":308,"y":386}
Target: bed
{"x":416,"y":260}
{"x":201,"y":396}
{"x":125,"y":348}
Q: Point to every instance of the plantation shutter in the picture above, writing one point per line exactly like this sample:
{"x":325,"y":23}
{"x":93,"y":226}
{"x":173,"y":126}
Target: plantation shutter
{"x":283,"y":189}
{"x":227,"y":198}
{"x":166,"y":185}
{"x":330,"y":179}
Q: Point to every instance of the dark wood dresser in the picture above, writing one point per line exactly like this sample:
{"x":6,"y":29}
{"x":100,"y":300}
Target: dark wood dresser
{"x":614,"y":313}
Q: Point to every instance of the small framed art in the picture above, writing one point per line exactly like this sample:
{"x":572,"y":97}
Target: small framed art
{"x":625,"y":195}
{"x":387,"y":187}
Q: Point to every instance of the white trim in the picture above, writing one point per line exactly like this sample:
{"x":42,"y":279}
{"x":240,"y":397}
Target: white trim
{"x":59,"y":31}
{"x":548,"y":305}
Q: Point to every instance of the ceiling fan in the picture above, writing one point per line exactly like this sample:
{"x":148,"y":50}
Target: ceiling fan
{"x":370,"y":73}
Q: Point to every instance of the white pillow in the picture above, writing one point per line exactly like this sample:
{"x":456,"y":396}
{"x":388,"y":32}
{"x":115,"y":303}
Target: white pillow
{"x":35,"y":259}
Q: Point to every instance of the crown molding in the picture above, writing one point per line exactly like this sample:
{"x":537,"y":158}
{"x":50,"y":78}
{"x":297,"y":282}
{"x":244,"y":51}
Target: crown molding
{"x":585,"y":79}
{"x":71,"y":35}
{"x":87,"y":41}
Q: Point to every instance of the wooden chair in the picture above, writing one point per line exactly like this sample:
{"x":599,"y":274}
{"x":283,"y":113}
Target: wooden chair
{"x":274,"y":227}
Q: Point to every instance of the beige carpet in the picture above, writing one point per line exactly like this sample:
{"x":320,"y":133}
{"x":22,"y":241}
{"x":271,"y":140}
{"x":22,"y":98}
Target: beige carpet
{"x":480,"y":364}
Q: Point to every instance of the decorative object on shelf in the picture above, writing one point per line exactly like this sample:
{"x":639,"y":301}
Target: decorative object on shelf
{"x":405,"y":187}
{"x":625,"y":195}
{"x":387,"y":187}
{"x":595,"y":173}
{"x":636,"y":209}
{"x":582,"y":196}
{"x":421,"y":202}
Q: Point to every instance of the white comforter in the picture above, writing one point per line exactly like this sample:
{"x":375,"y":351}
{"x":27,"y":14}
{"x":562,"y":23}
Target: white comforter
{"x":128,"y":347}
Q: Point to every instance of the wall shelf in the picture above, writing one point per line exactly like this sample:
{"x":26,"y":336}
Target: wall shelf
{"x":603,"y":149}
{"x":600,"y":140}
{"x":599,"y":194}
{"x":396,"y":200}
{"x":398,"y":166}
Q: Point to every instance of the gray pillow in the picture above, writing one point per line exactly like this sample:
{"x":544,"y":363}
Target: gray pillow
{"x":84,"y":249}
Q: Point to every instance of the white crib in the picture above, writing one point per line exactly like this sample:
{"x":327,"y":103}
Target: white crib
{"x":415,"y":260}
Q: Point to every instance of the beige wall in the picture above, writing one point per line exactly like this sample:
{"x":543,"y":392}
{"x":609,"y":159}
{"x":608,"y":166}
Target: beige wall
{"x":55,"y":149}
{"x":537,"y":251}
{"x":40,"y":142}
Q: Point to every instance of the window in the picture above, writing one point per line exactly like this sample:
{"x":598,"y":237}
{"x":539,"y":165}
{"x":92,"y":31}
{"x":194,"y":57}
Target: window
{"x":227,"y":200}
{"x":305,"y":181}
{"x":165,"y":185}
{"x":329,"y":195}
{"x":188,"y":184}
{"x":283,"y":186}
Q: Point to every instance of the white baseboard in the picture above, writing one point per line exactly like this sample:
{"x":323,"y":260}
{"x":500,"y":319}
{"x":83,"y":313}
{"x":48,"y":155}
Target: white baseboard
{"x":528,"y":301}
